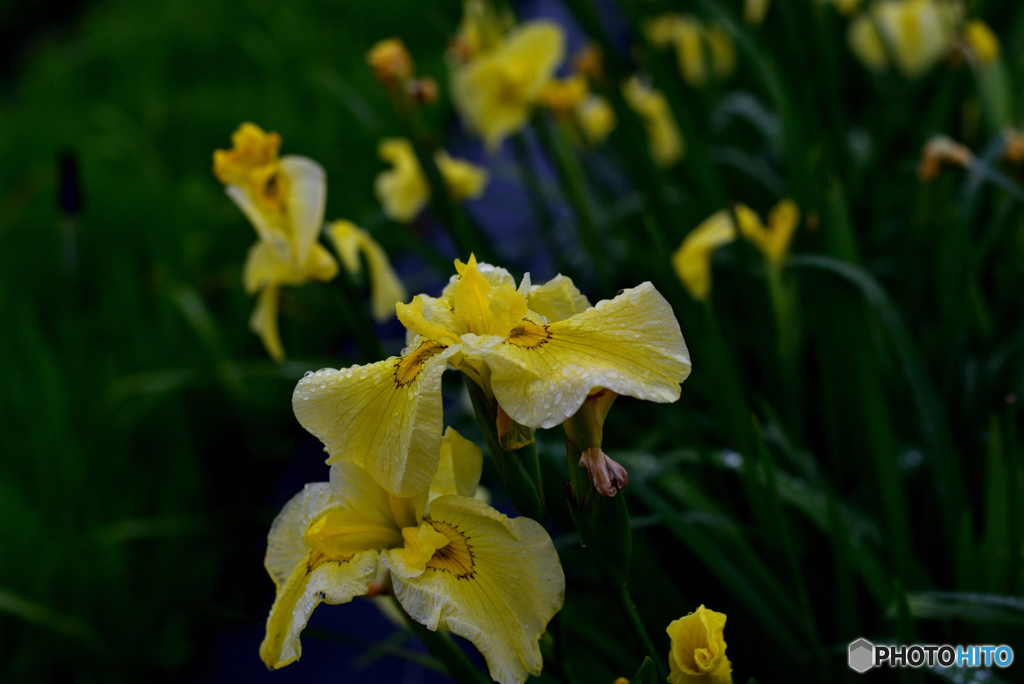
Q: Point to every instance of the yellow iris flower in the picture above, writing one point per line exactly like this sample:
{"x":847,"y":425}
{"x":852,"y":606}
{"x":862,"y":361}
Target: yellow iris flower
{"x":539,"y":350}
{"x":495,"y":93}
{"x":914,"y":34}
{"x":455,"y":562}
{"x":697,"y":654}
{"x":771,"y":240}
{"x":284,"y":199}
{"x":692,"y":261}
{"x":386,"y":289}
{"x":663,"y":137}
{"x":403,"y":190}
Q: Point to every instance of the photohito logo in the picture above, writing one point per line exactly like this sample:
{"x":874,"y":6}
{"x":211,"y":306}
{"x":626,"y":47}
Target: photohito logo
{"x":864,"y":655}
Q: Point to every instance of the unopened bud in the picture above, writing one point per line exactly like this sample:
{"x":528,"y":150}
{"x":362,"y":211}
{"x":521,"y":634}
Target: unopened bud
{"x":391,"y":62}
{"x":588,"y":62}
{"x":607,"y":477}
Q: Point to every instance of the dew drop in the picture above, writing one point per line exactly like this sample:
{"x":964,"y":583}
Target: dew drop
{"x":307,"y":374}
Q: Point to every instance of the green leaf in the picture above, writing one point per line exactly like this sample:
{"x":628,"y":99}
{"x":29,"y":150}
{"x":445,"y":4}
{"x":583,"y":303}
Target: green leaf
{"x":985,"y":608}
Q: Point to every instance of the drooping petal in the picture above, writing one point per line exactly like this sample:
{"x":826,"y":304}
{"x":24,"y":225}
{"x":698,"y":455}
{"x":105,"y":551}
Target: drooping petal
{"x":386,"y":289}
{"x":498,"y":583}
{"x":315,"y":579}
{"x":386,"y":416}
{"x":458,"y":470}
{"x":307,"y":197}
{"x":557,"y":299}
{"x":303,"y":575}
{"x":402,"y":190}
{"x":631,"y":345}
{"x":692,"y":261}
{"x":463,"y":179}
{"x":264,"y":321}
{"x":265,"y":266}
{"x":272,"y":229}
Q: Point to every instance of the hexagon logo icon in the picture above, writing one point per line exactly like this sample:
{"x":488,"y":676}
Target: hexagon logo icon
{"x":862,"y":655}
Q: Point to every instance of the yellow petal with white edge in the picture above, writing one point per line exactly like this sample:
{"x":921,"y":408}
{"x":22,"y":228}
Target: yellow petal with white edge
{"x":494,"y":275}
{"x":497,"y":583}
{"x":385,"y":417}
{"x":307,"y":197}
{"x":458,"y":470}
{"x":316,"y":579}
{"x":264,"y":321}
{"x":303,"y":576}
{"x":557,"y":299}
{"x":631,"y":345}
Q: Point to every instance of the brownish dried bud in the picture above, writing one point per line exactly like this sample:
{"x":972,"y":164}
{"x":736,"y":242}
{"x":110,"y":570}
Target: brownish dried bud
{"x":588,"y":62}
{"x":942,"y":150}
{"x":607,"y":477}
{"x":423,"y":90}
{"x":1013,"y":152}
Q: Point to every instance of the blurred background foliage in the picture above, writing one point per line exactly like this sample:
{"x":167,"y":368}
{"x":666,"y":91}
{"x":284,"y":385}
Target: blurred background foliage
{"x":147,"y":441}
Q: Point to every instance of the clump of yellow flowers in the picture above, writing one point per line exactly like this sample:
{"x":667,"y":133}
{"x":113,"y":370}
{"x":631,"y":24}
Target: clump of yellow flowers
{"x":702,"y":50}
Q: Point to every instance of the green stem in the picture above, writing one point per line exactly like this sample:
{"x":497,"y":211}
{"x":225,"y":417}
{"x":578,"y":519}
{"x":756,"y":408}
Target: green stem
{"x":641,"y":631}
{"x":519,"y":469}
{"x":444,"y":649}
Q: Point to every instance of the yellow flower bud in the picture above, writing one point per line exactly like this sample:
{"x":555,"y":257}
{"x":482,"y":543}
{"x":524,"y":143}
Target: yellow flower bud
{"x":692,"y":261}
{"x":391,"y":62}
{"x":697,"y":654}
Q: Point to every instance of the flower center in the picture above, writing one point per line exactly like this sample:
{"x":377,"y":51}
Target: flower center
{"x":455,"y":557}
{"x":410,"y":365}
{"x":528,"y":335}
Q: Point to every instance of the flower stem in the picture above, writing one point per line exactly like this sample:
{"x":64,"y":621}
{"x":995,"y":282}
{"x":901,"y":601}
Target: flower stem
{"x":641,"y":631}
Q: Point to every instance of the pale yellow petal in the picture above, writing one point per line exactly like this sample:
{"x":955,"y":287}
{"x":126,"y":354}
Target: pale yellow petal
{"x":458,"y":470}
{"x":631,"y":345}
{"x":463,"y":179}
{"x":866,"y":44}
{"x":495,"y":93}
{"x":557,"y":299}
{"x":403,"y":191}
{"x":386,"y":416}
{"x":596,"y":118}
{"x":264,"y":321}
{"x":386,"y":289}
{"x":692,"y":261}
{"x":345,"y":236}
{"x":498,"y":586}
{"x":307,"y":197}
{"x":690,"y":52}
{"x":305,"y":577}
{"x":329,"y":581}
{"x":723,"y":52}
{"x":271,"y":229}
{"x":982,"y":40}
